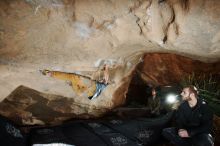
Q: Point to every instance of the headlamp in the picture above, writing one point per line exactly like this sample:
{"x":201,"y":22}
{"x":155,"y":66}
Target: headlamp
{"x":171,"y":98}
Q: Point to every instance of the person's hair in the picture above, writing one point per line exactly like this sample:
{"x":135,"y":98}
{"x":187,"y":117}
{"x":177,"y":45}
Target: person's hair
{"x":193,"y":89}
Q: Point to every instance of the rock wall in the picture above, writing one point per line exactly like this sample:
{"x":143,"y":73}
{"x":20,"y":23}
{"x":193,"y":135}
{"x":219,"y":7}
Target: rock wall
{"x":167,"y":69}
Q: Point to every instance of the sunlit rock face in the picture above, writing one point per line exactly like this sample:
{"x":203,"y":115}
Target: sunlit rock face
{"x":80,"y":36}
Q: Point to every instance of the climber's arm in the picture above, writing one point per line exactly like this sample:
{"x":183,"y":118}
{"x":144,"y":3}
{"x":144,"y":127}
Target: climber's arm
{"x":58,"y":74}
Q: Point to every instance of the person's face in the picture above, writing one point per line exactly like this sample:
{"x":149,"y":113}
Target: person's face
{"x":185,"y":94}
{"x":154,"y":92}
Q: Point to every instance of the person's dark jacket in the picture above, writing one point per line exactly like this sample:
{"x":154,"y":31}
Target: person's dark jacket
{"x":195,"y":120}
{"x":154,"y":105}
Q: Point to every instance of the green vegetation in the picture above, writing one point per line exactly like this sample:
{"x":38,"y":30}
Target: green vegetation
{"x":208,"y":87}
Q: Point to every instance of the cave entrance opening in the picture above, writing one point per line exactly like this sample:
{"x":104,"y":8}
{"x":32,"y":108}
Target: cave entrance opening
{"x":138,"y":92}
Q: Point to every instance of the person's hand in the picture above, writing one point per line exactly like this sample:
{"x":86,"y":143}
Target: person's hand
{"x":183,"y":133}
{"x":46,"y":72}
{"x":175,"y":105}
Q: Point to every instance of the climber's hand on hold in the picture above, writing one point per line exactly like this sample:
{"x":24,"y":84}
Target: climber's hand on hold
{"x":45,"y":72}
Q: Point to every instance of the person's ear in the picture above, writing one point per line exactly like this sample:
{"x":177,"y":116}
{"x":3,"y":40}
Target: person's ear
{"x":191,"y":95}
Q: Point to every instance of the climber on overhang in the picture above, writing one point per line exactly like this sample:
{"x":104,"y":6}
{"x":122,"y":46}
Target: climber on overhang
{"x":102,"y":83}
{"x":82,"y":84}
{"x":105,"y":78}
